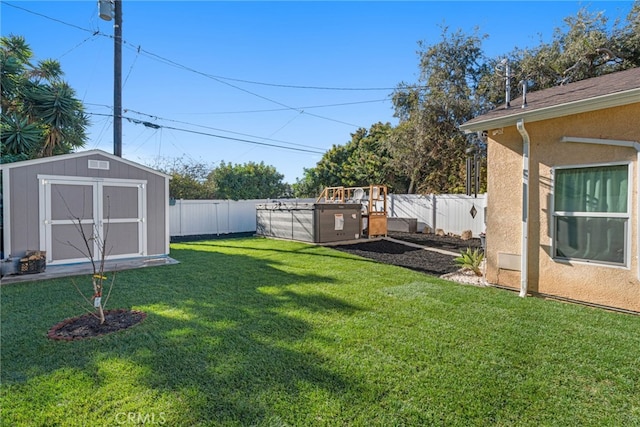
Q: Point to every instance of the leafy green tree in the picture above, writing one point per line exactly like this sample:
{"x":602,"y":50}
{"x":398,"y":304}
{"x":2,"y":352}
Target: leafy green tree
{"x":369,"y":162}
{"x":363,"y":161}
{"x":585,"y":46}
{"x":406,"y":154}
{"x":307,"y":186}
{"x":40,"y":114}
{"x":248,"y":181}
{"x":426,"y":152}
{"x":427,"y":145}
{"x":188,"y":178}
{"x":328,"y":170}
{"x":627,"y":39}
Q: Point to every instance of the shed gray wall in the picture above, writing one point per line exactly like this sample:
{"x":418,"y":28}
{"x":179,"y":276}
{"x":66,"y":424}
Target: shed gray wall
{"x":24,"y":198}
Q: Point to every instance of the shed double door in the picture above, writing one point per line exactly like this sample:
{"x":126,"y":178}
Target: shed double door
{"x":79,"y":215}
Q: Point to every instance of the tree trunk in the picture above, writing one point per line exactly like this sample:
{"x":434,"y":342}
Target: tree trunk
{"x":97,"y":297}
{"x":101,"y":314}
{"x":412,"y":185}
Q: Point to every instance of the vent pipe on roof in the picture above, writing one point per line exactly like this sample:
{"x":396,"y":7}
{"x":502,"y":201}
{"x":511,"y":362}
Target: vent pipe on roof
{"x":524,"y":93}
{"x":508,"y":85}
{"x":504,"y":66}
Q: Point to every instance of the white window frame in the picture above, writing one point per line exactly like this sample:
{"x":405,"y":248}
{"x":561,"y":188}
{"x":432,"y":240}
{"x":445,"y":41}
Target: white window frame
{"x":627,"y":216}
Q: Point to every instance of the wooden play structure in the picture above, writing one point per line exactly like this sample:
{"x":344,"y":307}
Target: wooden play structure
{"x":373,"y":200}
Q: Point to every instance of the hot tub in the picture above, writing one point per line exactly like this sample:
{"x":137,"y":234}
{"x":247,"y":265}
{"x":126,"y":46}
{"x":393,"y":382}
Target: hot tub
{"x":310,"y":222}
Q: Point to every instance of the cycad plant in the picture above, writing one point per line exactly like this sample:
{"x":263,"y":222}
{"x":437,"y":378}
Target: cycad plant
{"x":471,"y":260}
{"x":40,"y":114}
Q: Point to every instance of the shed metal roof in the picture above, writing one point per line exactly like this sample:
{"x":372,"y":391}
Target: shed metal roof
{"x":609,"y":90}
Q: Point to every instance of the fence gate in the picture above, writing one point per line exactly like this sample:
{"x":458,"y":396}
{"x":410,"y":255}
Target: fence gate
{"x":114,"y":209}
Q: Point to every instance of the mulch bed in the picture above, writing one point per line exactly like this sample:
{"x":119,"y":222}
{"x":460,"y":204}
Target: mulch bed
{"x":87,"y":325}
{"x":450,"y":243}
{"x":425,"y":261}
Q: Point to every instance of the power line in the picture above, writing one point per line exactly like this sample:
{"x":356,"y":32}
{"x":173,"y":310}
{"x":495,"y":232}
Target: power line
{"x":219,"y":79}
{"x":155,"y":117}
{"x":78,"y":45}
{"x":253,"y":82}
{"x":270,"y":110}
{"x":131,"y":68}
{"x":243,"y":140}
{"x":218,"y":129}
{"x":307,"y":87}
{"x":286,"y":124}
{"x":156,"y":126}
{"x":99,"y":105}
{"x":267,"y":110}
{"x":48,"y":17}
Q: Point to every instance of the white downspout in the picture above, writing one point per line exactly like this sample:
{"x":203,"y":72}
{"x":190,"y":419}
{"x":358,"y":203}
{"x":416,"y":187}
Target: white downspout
{"x":637,"y":255}
{"x":524,"y":252}
{"x":637,"y":147}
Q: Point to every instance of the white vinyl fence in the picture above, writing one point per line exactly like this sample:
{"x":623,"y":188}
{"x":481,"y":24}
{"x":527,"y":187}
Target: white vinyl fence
{"x":193,"y":217}
{"x":449,"y":212}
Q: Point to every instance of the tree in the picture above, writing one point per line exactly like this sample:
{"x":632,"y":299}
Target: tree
{"x":307,"y":186}
{"x":627,"y":39}
{"x":427,"y":145}
{"x":406,"y":153}
{"x":363,"y":161}
{"x":248,"y":181}
{"x":40,"y":114}
{"x":369,"y":161}
{"x":329,"y":169}
{"x":585,"y":46}
{"x":188,"y":178}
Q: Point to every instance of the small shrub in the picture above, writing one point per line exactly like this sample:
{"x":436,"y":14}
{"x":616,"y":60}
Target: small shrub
{"x":471,"y":260}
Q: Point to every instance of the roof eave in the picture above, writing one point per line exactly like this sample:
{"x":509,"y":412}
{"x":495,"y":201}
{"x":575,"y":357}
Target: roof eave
{"x":576,"y":107}
{"x":81,"y":154}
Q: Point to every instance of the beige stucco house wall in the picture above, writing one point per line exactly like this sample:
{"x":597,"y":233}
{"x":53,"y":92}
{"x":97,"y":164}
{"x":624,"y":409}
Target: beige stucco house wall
{"x":586,"y":124}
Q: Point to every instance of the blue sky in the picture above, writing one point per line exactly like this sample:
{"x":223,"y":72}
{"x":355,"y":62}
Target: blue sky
{"x":196,"y":65}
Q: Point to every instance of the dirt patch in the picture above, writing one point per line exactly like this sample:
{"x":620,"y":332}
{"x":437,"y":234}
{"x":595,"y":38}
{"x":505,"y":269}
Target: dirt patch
{"x":426,"y":261}
{"x":88,"y":326}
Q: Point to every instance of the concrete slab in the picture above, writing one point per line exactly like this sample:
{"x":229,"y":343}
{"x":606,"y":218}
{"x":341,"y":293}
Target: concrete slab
{"x":78,"y":269}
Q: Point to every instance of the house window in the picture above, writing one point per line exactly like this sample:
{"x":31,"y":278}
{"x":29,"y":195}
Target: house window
{"x":591,"y":213}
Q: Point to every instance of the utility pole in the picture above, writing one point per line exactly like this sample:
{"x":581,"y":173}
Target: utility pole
{"x":117,"y":78}
{"x":107,"y":9}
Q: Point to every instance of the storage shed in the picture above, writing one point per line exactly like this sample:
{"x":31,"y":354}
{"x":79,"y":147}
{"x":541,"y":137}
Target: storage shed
{"x":114,"y":197}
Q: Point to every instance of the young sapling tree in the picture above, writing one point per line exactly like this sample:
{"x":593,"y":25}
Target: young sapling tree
{"x":98,"y":241}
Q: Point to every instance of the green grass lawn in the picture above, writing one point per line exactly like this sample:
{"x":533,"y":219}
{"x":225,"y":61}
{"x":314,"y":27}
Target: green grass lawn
{"x":273,"y":333}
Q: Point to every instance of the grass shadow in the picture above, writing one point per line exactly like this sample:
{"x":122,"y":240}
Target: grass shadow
{"x":269,"y":333}
{"x":230,"y":335}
